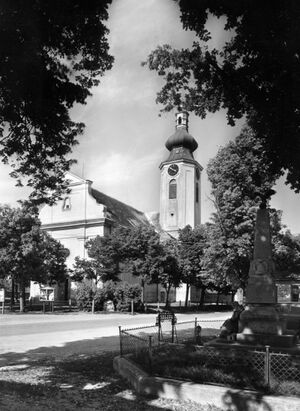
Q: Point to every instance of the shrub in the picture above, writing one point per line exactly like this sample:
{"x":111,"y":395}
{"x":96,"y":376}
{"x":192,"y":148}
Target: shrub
{"x":124,"y":293}
{"x":83,"y":295}
{"x":121,"y":294}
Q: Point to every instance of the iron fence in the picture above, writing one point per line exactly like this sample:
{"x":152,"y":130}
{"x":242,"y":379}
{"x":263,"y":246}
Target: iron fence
{"x":132,"y":340}
{"x":263,"y":366}
{"x":226,"y":365}
{"x":284,"y":367}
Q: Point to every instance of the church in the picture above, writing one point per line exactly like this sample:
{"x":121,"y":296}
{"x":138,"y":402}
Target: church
{"x":85,"y":212}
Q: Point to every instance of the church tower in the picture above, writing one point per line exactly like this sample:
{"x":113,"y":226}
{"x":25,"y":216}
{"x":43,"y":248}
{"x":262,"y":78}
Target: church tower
{"x":180,"y":189}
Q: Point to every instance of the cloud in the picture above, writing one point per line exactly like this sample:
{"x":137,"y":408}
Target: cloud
{"x":116,"y":169}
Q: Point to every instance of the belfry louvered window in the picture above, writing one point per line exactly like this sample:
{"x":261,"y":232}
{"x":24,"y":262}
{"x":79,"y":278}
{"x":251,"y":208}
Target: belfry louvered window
{"x":197,"y":193}
{"x":172,"y":189}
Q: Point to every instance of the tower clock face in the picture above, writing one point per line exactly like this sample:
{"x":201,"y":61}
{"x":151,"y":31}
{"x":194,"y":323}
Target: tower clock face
{"x":173,"y":169}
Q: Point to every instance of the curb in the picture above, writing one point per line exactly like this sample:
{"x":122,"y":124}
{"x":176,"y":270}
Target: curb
{"x":201,"y":393}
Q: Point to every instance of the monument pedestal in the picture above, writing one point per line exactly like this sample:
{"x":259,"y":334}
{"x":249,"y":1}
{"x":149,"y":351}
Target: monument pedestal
{"x":260,"y":322}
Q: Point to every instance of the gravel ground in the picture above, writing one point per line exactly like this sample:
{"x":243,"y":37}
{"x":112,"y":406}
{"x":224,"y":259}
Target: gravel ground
{"x":77,"y":382}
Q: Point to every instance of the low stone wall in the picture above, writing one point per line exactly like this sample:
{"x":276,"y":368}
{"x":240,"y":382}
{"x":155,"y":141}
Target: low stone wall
{"x":222,"y":397}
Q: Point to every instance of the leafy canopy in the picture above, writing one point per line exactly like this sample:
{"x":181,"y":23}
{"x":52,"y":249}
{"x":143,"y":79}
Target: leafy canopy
{"x":191,"y":247}
{"x":105,"y":256}
{"x":241,"y":176}
{"x":52,"y":53}
{"x":254,"y":74}
{"x":26,"y":252}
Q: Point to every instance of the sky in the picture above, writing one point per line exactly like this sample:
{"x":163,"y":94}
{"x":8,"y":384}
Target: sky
{"x":124,"y":139}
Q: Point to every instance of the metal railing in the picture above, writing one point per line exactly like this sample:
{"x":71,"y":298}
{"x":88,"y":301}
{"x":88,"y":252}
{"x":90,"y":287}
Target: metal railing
{"x":265,"y":367}
{"x":284,"y":367}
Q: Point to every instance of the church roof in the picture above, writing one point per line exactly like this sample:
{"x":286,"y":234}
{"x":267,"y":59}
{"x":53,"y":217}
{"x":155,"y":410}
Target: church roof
{"x":180,"y":153}
{"x":181,"y":138}
{"x":120,"y":213}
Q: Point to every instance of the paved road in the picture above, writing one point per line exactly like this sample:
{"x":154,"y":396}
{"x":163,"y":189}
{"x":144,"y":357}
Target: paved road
{"x":20,"y":333}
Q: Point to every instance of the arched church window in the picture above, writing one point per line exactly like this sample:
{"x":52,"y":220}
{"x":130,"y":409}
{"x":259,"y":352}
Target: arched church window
{"x":67,"y":203}
{"x":197,"y":193}
{"x":172,"y":189}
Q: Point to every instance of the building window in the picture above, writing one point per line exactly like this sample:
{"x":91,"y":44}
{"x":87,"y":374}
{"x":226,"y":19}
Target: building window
{"x":197,"y":193}
{"x":67,"y":204}
{"x":172,"y":189}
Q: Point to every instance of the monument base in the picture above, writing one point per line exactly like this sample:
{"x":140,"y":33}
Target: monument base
{"x":260,"y":324}
{"x":284,"y":341}
{"x":290,"y":348}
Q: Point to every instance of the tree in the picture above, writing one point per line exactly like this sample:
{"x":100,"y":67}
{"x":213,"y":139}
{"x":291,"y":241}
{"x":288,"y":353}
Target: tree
{"x":168,"y":273}
{"x":241,"y":177}
{"x":192,"y":243}
{"x":255,"y":73}
{"x":105,"y":255}
{"x":143,"y":251}
{"x":87,"y":270}
{"x":287,"y":254}
{"x":26,"y":252}
{"x":52,"y":53}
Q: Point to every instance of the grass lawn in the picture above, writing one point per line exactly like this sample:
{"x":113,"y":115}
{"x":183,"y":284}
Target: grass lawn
{"x":186,"y":362}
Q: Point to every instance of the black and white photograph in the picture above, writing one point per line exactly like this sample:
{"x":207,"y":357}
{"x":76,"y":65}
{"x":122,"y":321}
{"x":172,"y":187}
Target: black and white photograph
{"x":149,"y":205}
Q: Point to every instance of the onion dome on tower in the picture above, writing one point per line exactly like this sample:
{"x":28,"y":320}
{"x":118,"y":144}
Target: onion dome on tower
{"x":181,"y":144}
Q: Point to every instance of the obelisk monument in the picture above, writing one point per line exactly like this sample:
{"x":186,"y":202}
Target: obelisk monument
{"x":260,"y":322}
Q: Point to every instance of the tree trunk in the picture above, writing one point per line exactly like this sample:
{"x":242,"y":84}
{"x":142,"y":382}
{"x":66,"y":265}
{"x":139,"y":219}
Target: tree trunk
{"x":218,"y":297}
{"x":143,"y":291}
{"x":186,"y":295}
{"x":22,"y":297}
{"x":12,"y":296}
{"x":93,"y":305}
{"x":202,"y":297}
{"x":167,"y":296}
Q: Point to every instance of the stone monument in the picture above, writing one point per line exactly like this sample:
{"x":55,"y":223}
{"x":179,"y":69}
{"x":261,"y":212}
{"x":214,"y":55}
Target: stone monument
{"x":260,"y":322}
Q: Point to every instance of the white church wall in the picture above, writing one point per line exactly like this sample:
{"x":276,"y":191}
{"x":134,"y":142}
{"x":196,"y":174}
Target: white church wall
{"x":75,"y":218}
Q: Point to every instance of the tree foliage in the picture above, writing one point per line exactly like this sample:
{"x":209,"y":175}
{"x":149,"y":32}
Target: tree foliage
{"x":192,"y":245}
{"x":252,"y":74}
{"x":241,"y":176}
{"x":287,"y":253}
{"x":169,"y":271}
{"x":26,"y":252}
{"x":103,"y":265}
{"x":121,"y":295}
{"x":143,"y":250}
{"x":52,"y":53}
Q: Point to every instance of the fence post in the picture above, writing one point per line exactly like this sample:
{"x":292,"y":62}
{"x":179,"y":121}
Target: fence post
{"x":173,"y":327}
{"x":267,"y":365}
{"x":159,"y":327}
{"x":150,"y":352}
{"x":120,"y":336}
